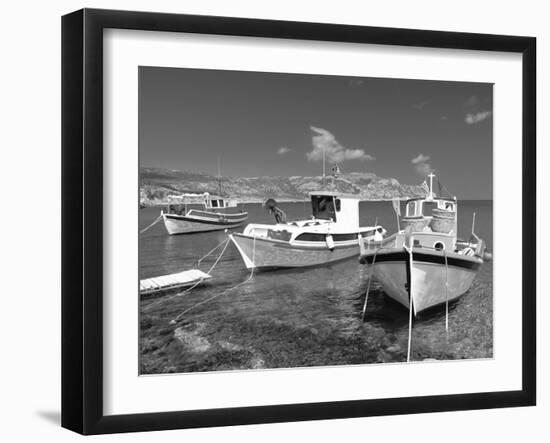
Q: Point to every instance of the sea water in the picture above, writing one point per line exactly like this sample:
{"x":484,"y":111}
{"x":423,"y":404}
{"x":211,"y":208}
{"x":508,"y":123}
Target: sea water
{"x":303,"y":317}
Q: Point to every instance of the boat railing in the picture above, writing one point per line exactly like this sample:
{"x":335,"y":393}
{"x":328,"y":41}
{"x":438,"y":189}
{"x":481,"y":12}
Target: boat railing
{"x":474,"y":247}
{"x":178,"y":209}
{"x":369,"y":244}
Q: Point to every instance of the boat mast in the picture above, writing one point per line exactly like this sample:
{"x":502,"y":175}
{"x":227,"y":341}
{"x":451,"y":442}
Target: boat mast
{"x":219,"y":179}
{"x":323,"y":165}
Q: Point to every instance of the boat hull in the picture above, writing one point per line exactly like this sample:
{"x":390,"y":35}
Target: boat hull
{"x":184,"y":224}
{"x":263,"y":253}
{"x":431,"y":281}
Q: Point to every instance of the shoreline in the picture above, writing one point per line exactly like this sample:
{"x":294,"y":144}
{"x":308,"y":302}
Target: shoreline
{"x":247,"y":202}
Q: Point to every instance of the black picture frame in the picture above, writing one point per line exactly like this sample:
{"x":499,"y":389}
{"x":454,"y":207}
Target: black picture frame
{"x":82,"y":218}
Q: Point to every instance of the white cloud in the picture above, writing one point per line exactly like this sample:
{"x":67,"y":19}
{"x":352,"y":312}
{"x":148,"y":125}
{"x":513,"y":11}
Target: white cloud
{"x":420,"y":158}
{"x":283,"y":150}
{"x":478,"y":117}
{"x":324,"y":142}
{"x":471,"y":101}
{"x":421,"y":164}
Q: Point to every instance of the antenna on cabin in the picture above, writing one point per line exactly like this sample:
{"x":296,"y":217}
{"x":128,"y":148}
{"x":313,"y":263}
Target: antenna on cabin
{"x":431,"y":175}
{"x":335,"y":172}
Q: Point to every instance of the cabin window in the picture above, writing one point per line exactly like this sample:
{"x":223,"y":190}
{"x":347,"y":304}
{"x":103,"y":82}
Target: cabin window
{"x":338,"y":204}
{"x":322,"y":207}
{"x":220,"y":203}
{"x":428,"y":207}
{"x":446,"y":205}
{"x":214,"y":203}
{"x":411,"y":209}
{"x":439,"y":246}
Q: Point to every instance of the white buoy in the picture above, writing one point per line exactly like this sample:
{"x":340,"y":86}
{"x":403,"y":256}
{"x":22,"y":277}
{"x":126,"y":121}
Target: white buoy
{"x":330,"y":241}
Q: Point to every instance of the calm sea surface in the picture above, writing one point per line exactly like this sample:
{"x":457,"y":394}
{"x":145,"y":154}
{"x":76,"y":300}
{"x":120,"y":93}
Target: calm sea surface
{"x":307,"y":317}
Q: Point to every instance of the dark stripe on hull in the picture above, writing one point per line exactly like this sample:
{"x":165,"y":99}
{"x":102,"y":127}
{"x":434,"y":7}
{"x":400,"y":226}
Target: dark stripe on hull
{"x":402,"y":256}
{"x":221,"y":228}
{"x":286,"y":245}
{"x":296,"y":268}
{"x":266,"y":254}
{"x":312,"y":236}
{"x":322,"y":247}
{"x":206,"y":222}
{"x":215,"y":215}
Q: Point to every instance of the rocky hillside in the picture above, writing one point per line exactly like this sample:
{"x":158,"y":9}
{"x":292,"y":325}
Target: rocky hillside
{"x":165,"y":186}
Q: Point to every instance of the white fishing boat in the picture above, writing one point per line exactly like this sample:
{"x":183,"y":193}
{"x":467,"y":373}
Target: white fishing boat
{"x":217,"y":213}
{"x":424,"y":264}
{"x":331,"y":234}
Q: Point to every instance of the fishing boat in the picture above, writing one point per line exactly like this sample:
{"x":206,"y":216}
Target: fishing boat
{"x":217,"y":213}
{"x":331,"y":234}
{"x":425,"y":264}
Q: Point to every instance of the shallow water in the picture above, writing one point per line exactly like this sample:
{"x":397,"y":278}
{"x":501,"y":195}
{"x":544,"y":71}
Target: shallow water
{"x":306,"y":317}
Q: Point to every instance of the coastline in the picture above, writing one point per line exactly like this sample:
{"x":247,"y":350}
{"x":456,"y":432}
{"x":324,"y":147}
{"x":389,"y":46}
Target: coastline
{"x":143,"y":204}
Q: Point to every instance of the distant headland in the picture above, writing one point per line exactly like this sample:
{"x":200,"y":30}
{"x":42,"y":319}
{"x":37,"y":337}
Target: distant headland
{"x":160,"y":186}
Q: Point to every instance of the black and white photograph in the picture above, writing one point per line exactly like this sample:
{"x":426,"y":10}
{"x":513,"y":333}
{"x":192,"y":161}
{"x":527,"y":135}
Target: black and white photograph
{"x":275,"y":221}
{"x":297,"y":220}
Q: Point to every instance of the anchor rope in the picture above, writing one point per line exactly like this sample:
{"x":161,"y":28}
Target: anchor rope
{"x":409,"y":250}
{"x":219,"y":257}
{"x":368,"y":285}
{"x":179,"y":294}
{"x":181,"y":314}
{"x":446,"y":294}
{"x":211,"y":251}
{"x":159,"y":218}
{"x":370,"y":277}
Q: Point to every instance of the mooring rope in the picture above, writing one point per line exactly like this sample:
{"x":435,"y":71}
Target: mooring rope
{"x":209,"y":271}
{"x":179,"y":294}
{"x":446,"y":293}
{"x":211,"y":251}
{"x":181,"y":314}
{"x":411,"y":302}
{"x":159,"y":218}
{"x":253,"y":254}
{"x":368,"y":286}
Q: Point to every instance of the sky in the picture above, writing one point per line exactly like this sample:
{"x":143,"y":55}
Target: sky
{"x":273,"y":124}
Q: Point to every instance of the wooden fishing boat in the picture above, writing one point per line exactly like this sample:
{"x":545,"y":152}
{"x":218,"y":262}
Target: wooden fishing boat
{"x":218,"y":213}
{"x":330,"y":235}
{"x":424,"y":264}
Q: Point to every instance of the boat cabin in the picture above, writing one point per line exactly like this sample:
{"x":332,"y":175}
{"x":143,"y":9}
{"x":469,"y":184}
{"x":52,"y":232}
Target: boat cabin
{"x":217,"y":202}
{"x":431,"y":219}
{"x":339,"y":208}
{"x":430,"y":213}
{"x":425,"y":207}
